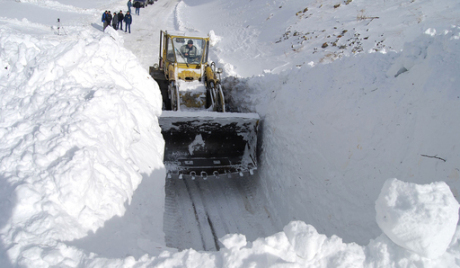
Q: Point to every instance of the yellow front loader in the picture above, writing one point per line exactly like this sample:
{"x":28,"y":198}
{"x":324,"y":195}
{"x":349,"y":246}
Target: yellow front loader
{"x":202,"y":139}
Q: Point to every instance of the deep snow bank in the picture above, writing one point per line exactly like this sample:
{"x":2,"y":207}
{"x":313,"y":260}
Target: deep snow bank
{"x":79,"y":129}
{"x":334,"y":133}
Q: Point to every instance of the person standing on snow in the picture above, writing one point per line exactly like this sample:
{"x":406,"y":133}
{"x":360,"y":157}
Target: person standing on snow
{"x":129,"y":6}
{"x":104,"y":20}
{"x":115,"y":21}
{"x":128,"y":20}
{"x":109,"y":19}
{"x":137,"y":5}
{"x":120,"y":20}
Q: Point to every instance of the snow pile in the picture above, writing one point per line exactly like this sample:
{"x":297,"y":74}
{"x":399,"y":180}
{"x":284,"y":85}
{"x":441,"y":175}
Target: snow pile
{"x":334,"y":140}
{"x":79,"y":128}
{"x":298,"y":245}
{"x":421,"y":218}
{"x":213,"y":38}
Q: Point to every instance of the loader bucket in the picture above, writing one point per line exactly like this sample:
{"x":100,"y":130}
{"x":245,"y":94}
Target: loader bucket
{"x":209,"y":144}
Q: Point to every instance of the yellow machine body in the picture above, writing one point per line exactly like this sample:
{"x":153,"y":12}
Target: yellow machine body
{"x":202,"y":139}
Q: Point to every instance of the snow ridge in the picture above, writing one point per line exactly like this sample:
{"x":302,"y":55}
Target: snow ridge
{"x":61,"y":107}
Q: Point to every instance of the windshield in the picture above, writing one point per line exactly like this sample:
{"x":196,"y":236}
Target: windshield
{"x":188,"y":50}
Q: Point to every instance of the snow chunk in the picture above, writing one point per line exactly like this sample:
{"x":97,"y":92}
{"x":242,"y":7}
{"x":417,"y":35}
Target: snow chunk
{"x":304,"y":238}
{"x":233,"y":241}
{"x":430,"y":31}
{"x":213,"y":38}
{"x":197,"y":144}
{"x":420,"y":218}
{"x":114,"y":34}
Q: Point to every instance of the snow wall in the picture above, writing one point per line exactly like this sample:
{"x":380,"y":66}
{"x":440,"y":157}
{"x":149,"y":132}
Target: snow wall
{"x":329,"y":142}
{"x":79,"y":133}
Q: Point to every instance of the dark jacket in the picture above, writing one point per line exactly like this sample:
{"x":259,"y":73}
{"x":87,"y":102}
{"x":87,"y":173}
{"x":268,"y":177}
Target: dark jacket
{"x":137,"y":5}
{"x":109,"y":18}
{"x":120,"y":16}
{"x":128,"y":19}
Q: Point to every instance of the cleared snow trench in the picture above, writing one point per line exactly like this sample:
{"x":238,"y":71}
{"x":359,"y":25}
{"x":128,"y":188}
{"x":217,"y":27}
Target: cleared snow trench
{"x":199,"y":212}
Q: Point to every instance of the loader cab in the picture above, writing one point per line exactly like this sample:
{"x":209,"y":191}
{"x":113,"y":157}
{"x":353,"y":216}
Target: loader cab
{"x":181,"y":47}
{"x":185,"y":57}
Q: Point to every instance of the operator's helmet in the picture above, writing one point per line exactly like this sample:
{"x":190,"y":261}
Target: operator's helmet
{"x":190,"y":42}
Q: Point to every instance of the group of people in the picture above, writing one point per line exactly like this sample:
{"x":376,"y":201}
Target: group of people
{"x":116,"y":21}
{"x":137,"y":5}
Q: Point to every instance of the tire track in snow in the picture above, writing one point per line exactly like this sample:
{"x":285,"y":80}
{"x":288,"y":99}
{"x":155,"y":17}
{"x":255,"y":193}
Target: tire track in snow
{"x":207,"y":232}
{"x":179,"y":213}
{"x":218,"y":207}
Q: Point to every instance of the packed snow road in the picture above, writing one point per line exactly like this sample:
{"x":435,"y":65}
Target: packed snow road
{"x":199,"y":212}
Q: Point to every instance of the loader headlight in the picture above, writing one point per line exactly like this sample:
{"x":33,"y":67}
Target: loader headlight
{"x":155,"y":66}
{"x":219,"y":70}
